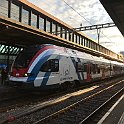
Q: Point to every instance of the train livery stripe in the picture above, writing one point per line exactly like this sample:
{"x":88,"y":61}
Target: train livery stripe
{"x":39,"y":55}
{"x":39,"y":52}
{"x":74,"y":63}
{"x":43,"y":54}
{"x":39,"y":63}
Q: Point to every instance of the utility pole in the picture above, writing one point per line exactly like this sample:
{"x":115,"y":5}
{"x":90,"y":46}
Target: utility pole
{"x":98,"y":34}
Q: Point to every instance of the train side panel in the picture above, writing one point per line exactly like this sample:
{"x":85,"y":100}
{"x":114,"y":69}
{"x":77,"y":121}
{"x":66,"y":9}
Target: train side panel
{"x":51,"y":65}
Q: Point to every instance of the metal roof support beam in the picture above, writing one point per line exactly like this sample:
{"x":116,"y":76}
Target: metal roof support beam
{"x":99,"y":26}
{"x":8,"y":58}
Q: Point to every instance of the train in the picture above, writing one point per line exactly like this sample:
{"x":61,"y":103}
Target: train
{"x":50,"y":66}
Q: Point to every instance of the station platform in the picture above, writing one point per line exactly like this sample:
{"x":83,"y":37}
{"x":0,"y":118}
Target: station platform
{"x":4,"y":89}
{"x":115,"y":114}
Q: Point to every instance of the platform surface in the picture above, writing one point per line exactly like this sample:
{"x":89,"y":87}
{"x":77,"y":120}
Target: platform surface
{"x":115,"y":115}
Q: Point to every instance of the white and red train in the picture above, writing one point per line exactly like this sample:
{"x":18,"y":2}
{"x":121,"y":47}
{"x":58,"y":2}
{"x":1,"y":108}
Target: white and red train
{"x":50,"y":66}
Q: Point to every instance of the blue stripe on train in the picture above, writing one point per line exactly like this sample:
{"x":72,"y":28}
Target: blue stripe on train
{"x":37,"y":67}
{"x":74,"y":63}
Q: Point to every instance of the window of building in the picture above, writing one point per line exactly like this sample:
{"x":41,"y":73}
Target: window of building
{"x":41,"y":23}
{"x":75,"y":37}
{"x":87,"y":43}
{"x":90,"y":45}
{"x":51,"y":65}
{"x":15,"y":12}
{"x":48,"y":26}
{"x":25,"y":16}
{"x":70,"y":36}
{"x":33,"y":20}
{"x":64,"y":33}
{"x":81,"y":40}
{"x":93,"y":46}
{"x":4,"y":8}
{"x":78,"y":39}
{"x":59,"y":31}
{"x":84,"y":42}
{"x":53,"y":28}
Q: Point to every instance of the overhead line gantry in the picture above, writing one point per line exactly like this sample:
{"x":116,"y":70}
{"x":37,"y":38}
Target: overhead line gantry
{"x":97,"y":27}
{"x":92,"y":27}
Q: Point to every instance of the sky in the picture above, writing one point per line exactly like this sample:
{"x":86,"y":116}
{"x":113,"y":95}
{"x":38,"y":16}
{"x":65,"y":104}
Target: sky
{"x":87,"y":13}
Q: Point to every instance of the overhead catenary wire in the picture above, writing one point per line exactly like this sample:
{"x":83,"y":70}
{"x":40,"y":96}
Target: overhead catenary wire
{"x":77,"y":12}
{"x":85,"y":19}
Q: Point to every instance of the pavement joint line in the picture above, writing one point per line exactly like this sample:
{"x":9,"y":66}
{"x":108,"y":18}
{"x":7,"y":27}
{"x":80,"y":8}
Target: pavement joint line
{"x":110,"y":110}
{"x":121,"y":121}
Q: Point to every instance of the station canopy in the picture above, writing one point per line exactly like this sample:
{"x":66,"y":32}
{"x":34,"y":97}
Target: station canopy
{"x":115,"y":9}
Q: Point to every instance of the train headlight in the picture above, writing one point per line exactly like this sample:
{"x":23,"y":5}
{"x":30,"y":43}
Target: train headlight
{"x":27,"y":74}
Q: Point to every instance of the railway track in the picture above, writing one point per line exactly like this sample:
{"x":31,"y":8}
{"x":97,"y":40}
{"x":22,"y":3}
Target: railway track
{"x":23,"y":99}
{"x":98,"y":113}
{"x":86,"y":107}
{"x":14,"y":98}
{"x":60,"y":108}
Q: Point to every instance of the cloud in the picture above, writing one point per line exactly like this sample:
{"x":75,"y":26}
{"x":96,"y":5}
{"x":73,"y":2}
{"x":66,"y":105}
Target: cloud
{"x":91,"y":10}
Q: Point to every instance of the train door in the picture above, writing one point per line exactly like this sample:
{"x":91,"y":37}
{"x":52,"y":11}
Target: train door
{"x":87,"y":72}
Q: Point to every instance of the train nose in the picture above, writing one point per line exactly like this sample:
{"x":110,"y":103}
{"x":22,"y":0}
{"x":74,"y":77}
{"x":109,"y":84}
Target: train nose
{"x":19,"y":72}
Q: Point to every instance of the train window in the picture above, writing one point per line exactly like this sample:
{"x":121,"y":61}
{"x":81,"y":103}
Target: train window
{"x":51,"y":65}
{"x":67,"y":37}
{"x":4,"y":8}
{"x":98,"y":69}
{"x":33,"y":20}
{"x":24,"y":58}
{"x":85,"y":68}
{"x":25,"y":16}
{"x":94,"y":68}
{"x":14,"y":12}
{"x":79,"y":67}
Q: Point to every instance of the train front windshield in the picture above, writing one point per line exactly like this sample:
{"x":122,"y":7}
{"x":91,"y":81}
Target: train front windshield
{"x":25,"y":57}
